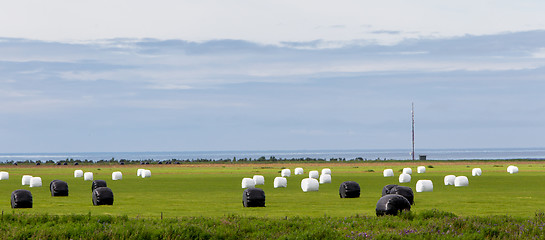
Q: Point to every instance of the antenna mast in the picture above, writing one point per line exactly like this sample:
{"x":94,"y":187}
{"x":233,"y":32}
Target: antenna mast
{"x":412,"y":113}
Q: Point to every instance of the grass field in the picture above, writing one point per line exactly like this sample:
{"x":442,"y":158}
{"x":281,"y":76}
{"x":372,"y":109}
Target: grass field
{"x":213,"y":190}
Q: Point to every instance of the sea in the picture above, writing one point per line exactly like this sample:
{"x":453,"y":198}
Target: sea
{"x":384,"y":154}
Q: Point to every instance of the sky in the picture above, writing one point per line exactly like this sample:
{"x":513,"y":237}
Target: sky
{"x":103,"y":76}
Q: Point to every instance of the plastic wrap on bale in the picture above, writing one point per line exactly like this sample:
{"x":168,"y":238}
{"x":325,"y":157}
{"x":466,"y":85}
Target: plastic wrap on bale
{"x":314,"y":174}
{"x":388,"y":173}
{"x":299,"y":171}
{"x":25,"y":180}
{"x":392,"y":204}
{"x":35,"y":182}
{"x":248,"y":183}
{"x":310,"y":185}
{"x":253,"y":197}
{"x":407,"y":171}
{"x":21,"y":199}
{"x":421,"y":169}
{"x":103,"y":196}
{"x":404,"y":178}
{"x":98,"y":183}
{"x":349,"y":189}
{"x":325,"y":178}
{"x":449,"y":179}
{"x":476,"y":172}
{"x":139,"y":172}
{"x":285,"y":173}
{"x":386,"y":189}
{"x":88,"y":176}
{"x":461,"y":181}
{"x":406,"y":192}
{"x":78,"y":173}
{"x":117,"y":176}
{"x":58,"y":188}
{"x":280,"y":182}
{"x":4,"y":175}
{"x":424,"y":186}
{"x":512,"y":169}
{"x":326,"y":171}
{"x":259,"y":180}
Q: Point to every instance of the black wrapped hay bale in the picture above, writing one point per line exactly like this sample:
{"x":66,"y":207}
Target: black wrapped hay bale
{"x":58,"y":188}
{"x":98,"y":183}
{"x":406,"y":192}
{"x":253,"y":197}
{"x":386,"y":189}
{"x":103,"y":196}
{"x":349,"y":189}
{"x":392,"y":204}
{"x":21,"y":199}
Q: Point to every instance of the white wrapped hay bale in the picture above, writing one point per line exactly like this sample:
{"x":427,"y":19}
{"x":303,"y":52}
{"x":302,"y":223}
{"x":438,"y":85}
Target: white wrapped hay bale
{"x":424,"y":186}
{"x":388,"y":172}
{"x":461,"y":181}
{"x":512,"y":169}
{"x":248,"y":183}
{"x":78,"y":173}
{"x":4,"y":176}
{"x":139,"y":172}
{"x":285,"y":173}
{"x":421,"y":169}
{"x":259,"y":180}
{"x":299,"y":171}
{"x":326,"y":171}
{"x":88,"y":176}
{"x":314,"y":174}
{"x":280,"y":182}
{"x":146,"y":173}
{"x":407,"y":171}
{"x":325,"y":178}
{"x":310,"y":185}
{"x":117,"y":176}
{"x":449,"y":179}
{"x":476,"y":172}
{"x":35,"y":182}
{"x":404,"y":178}
{"x":25,"y":180}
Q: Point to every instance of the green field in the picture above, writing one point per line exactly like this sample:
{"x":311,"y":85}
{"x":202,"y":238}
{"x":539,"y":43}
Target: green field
{"x":214,"y":190}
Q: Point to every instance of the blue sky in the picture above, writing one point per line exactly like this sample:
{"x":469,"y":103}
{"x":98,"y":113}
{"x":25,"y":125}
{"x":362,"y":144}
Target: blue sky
{"x":270,"y":75}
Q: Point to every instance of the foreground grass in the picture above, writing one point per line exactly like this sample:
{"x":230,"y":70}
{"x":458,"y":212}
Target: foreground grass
{"x":424,"y":225}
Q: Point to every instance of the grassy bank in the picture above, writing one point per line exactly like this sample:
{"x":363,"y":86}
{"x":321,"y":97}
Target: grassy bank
{"x":429,"y":224}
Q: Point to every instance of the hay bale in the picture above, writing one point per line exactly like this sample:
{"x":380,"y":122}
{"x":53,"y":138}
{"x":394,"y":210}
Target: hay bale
{"x":78,"y":173}
{"x":349,"y":189}
{"x":325,"y":178}
{"x":512,"y":169}
{"x":98,"y":183}
{"x":421,"y":169}
{"x":386,"y":189}
{"x":103,"y":196}
{"x":280,"y":182}
{"x":314,"y":174}
{"x":259,"y":180}
{"x":4,"y":175}
{"x":117,"y":176}
{"x":58,"y":188}
{"x":406,"y":192}
{"x":326,"y":171}
{"x":248,"y":183}
{"x":424,"y":186}
{"x":449,"y":179}
{"x":146,"y":173}
{"x":476,"y":172}
{"x":35,"y":182}
{"x":310,"y":185}
{"x":299,"y":171}
{"x":408,"y":171}
{"x":25,"y":180}
{"x":88,"y":176}
{"x":139,"y":172}
{"x":388,"y":173}
{"x":461,"y":181}
{"x":404,"y":178}
{"x":392,"y":204}
{"x":253,"y":197}
{"x":21,"y":199}
{"x":285,"y":173}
